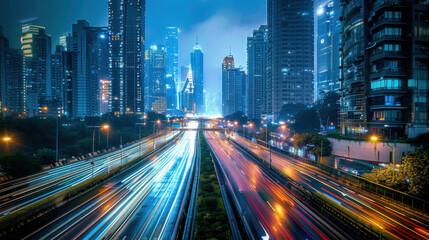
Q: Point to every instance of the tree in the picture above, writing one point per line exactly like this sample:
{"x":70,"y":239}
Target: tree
{"x":416,"y":169}
{"x":410,"y":177}
{"x":19,"y":164}
{"x":46,"y":156}
{"x":329,"y":108}
{"x":290,"y":110}
{"x":237,"y":116}
{"x":307,"y":121}
{"x":314,"y":143}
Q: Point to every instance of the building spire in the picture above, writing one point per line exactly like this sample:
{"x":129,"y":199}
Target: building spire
{"x":197,"y":40}
{"x":230,"y":50}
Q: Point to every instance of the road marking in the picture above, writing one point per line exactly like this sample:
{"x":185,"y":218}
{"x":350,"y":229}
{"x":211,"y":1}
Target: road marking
{"x":418,"y":221}
{"x":322,"y":177}
{"x":348,"y":190}
{"x":395,"y":211}
{"x":271,"y":206}
{"x":369,"y":199}
{"x":336,"y":184}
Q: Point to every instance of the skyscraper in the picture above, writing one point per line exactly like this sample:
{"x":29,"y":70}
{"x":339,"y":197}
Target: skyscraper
{"x":228,"y":63}
{"x":127,"y":45}
{"x":197,"y":66}
{"x":12,"y":84}
{"x":4,"y":45}
{"x":156,"y":78}
{"x":290,"y":52}
{"x":188,"y":94}
{"x":385,"y":68}
{"x":85,"y":64}
{"x":327,"y":51}
{"x":57,"y":71}
{"x":234,"y":98}
{"x":36,"y":47}
{"x":172,"y":50}
{"x":257,"y":73}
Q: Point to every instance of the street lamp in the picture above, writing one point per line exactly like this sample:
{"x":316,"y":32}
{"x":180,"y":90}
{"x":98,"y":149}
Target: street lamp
{"x":106,"y":127}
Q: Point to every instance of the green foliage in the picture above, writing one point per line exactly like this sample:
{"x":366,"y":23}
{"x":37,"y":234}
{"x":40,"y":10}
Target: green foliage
{"x":414,"y":168}
{"x":329,"y":107}
{"x":307,"y":121}
{"x":19,"y":164}
{"x":290,"y":110}
{"x":314,"y":143}
{"x":46,"y":156}
{"x":211,"y":221}
{"x":75,"y":135}
{"x":237,"y":116}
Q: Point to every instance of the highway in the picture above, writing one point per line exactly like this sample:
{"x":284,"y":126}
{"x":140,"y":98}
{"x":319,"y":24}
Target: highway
{"x":268,"y":210}
{"x":392,"y":220}
{"x":143,"y":202}
{"x":18,"y":194}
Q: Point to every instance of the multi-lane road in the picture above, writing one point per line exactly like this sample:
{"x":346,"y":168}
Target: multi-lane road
{"x":143,"y":202}
{"x":18,"y":194}
{"x":268,"y":210}
{"x":391,"y":220}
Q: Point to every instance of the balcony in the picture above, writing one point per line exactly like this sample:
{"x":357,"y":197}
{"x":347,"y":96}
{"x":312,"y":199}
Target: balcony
{"x":387,"y":21}
{"x":387,"y":54}
{"x":388,"y":72}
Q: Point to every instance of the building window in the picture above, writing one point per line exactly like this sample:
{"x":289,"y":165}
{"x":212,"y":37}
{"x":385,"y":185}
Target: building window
{"x":386,"y":84}
{"x":422,"y":32}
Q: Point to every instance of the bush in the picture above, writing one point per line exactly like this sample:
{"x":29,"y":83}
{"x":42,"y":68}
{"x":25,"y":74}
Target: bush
{"x":19,"y":164}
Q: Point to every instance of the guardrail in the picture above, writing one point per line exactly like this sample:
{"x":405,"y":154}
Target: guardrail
{"x":234,"y":225}
{"x":362,"y":183}
{"x":188,"y":230}
{"x":13,"y":221}
{"x":347,"y":223}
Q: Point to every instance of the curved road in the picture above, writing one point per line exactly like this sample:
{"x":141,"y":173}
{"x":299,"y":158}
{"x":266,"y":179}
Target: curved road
{"x":380,"y":214}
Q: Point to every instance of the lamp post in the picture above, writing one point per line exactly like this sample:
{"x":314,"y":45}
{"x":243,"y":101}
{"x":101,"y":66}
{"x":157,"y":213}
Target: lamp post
{"x":7,"y":139}
{"x":154,"y":130}
{"x":106,"y":127}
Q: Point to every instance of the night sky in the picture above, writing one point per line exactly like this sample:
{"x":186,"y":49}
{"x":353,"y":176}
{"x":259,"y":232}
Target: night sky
{"x":219,"y":24}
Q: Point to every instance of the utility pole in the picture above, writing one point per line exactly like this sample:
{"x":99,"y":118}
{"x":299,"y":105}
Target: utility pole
{"x":121,"y":151}
{"x":56,"y":143}
{"x":92,"y":161}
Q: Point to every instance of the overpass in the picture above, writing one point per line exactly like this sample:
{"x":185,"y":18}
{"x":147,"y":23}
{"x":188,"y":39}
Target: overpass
{"x":199,"y":129}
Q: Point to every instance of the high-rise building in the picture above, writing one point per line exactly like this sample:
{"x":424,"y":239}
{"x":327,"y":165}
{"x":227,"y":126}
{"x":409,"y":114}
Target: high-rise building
{"x":327,"y":48}
{"x":257,"y":73}
{"x":212,"y":103}
{"x":126,"y":61}
{"x":85,"y":68}
{"x":104,"y":96}
{"x":385,"y":68}
{"x":36,"y":47}
{"x":235,"y":95}
{"x":197,"y":66}
{"x":57,"y":71}
{"x":4,"y":45}
{"x":11,"y":78}
{"x":188,"y":94}
{"x":228,"y":63}
{"x":172,"y":50}
{"x":156,"y":78}
{"x":290,"y":52}
{"x":171,"y":93}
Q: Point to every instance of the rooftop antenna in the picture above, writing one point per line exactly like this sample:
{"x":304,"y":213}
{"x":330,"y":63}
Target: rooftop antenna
{"x":197,"y":39}
{"x":230,"y":50}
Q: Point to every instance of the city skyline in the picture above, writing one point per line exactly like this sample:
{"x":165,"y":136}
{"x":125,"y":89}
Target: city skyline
{"x":223,"y":19}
